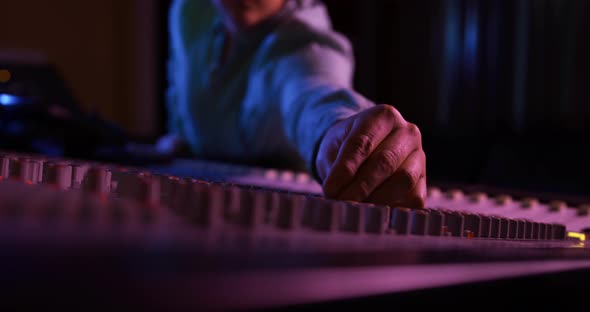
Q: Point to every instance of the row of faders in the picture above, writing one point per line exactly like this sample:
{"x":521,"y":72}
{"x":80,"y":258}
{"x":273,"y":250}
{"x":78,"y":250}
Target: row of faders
{"x":208,"y":203}
{"x":575,"y":218}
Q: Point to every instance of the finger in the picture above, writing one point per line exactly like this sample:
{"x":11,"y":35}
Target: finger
{"x":384,"y":161}
{"x":402,"y":181}
{"x":406,"y":187}
{"x":368,"y":131}
{"x":330,"y":146}
{"x":414,"y":199}
{"x":417,"y":198}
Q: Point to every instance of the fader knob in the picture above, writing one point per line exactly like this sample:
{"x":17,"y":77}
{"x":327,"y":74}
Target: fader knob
{"x":78,"y":173}
{"x":97,"y":180}
{"x":524,"y":229}
{"x":549,"y":231}
{"x":436,"y":222}
{"x":513,"y":229}
{"x":167,"y":189}
{"x":454,"y":194}
{"x":273,"y":200}
{"x":503,"y":199}
{"x":177,"y":194}
{"x":583,"y":210}
{"x":141,"y":187}
{"x":454,"y":223}
{"x":434,"y":192}
{"x":252,"y":208}
{"x":233,"y":197}
{"x":353,"y":217}
{"x":477,"y":197}
{"x":472,"y":225}
{"x":557,"y":206}
{"x":205,"y":204}
{"x":57,"y":174}
{"x":271,"y":174}
{"x":290,"y":211}
{"x":17,"y":169}
{"x":38,"y":173}
{"x":419,"y":222}
{"x":287,"y":176}
{"x":326,"y":215}
{"x":486,"y":226}
{"x":529,"y":203}
{"x":376,"y":218}
{"x":542,"y":231}
{"x":364,"y":217}
{"x":4,"y":166}
{"x":400,"y":220}
{"x":30,"y":170}
{"x":559,"y":231}
{"x":536,"y":234}
{"x":302,"y":177}
{"x":495,"y":227}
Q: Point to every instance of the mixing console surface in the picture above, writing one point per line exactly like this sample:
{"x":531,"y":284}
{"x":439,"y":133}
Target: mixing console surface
{"x":222,"y":227}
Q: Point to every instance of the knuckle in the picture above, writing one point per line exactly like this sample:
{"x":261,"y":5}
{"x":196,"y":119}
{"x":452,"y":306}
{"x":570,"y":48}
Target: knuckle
{"x":364,"y":189}
{"x":414,"y":130}
{"x":407,"y":179}
{"x":347,"y":170}
{"x":387,"y":161}
{"x":387,"y":112}
{"x":362,"y":145}
{"x":417,"y":200}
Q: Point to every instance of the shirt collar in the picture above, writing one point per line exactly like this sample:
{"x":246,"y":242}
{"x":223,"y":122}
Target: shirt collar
{"x":259,"y":31}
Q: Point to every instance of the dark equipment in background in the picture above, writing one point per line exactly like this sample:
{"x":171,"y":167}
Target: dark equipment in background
{"x":38,"y":114}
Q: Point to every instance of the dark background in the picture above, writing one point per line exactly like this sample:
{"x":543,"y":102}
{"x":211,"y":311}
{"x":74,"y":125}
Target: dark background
{"x":500,"y":89}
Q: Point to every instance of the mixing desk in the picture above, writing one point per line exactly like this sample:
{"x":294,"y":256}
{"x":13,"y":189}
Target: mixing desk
{"x":224,"y":237}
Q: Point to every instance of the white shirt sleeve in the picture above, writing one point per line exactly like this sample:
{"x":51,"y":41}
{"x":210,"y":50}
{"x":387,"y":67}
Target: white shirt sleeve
{"x":312,"y":81}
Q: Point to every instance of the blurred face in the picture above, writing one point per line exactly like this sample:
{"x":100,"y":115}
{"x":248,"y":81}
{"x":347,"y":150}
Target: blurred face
{"x":242,"y":14}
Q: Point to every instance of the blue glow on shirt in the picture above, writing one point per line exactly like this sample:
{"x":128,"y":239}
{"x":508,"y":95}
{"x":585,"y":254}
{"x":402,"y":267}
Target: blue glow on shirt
{"x":9,"y":99}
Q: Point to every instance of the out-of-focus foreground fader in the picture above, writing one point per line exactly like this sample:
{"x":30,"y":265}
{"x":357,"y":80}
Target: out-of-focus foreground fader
{"x":224,"y":237}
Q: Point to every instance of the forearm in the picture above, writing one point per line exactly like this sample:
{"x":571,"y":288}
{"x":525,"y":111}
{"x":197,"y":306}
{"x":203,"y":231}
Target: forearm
{"x":309,"y":116}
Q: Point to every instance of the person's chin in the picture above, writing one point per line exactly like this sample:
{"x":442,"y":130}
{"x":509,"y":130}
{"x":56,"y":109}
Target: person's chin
{"x":245,"y":4}
{"x":246,"y":21}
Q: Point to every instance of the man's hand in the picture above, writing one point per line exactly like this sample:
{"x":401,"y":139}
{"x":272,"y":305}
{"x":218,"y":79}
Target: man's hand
{"x":375,"y":156}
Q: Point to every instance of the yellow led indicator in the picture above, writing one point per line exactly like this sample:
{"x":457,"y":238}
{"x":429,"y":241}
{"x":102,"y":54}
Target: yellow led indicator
{"x":580,"y":236}
{"x":4,"y":75}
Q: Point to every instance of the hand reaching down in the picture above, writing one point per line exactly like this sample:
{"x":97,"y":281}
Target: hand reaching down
{"x":375,"y":156}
